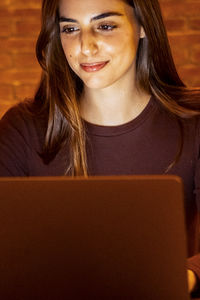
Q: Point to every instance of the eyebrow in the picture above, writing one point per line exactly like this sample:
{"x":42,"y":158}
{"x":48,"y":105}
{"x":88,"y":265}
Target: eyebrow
{"x":101,"y":16}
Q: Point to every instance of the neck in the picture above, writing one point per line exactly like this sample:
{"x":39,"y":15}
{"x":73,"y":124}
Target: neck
{"x":113,"y":105}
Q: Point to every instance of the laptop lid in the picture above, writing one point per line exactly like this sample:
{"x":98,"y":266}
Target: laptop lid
{"x":97,"y":238}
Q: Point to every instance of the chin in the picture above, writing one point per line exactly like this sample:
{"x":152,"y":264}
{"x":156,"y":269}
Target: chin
{"x":95,"y":82}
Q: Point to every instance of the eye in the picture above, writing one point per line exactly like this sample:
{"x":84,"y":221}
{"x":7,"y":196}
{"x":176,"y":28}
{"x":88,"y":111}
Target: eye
{"x":107,"y":27}
{"x":69,"y":29}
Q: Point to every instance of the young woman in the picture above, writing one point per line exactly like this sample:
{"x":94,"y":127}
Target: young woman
{"x":110,"y":102}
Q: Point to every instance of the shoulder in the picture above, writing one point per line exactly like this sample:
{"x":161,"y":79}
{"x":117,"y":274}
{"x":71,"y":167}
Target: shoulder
{"x":191,"y":125}
{"x":23,"y":111}
{"x":22,"y":132}
{"x":23,"y":127}
{"x":23,"y":119}
{"x":190,"y":119}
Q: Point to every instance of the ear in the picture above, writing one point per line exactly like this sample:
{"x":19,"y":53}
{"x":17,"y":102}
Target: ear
{"x":142,"y":33}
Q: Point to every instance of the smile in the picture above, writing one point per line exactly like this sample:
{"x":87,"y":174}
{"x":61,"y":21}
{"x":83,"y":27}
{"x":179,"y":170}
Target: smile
{"x":93,"y":67}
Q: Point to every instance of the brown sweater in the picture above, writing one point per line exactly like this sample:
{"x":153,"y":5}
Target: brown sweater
{"x":145,"y":145}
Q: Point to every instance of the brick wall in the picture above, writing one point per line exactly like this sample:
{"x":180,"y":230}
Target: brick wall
{"x":19,"y":27}
{"x":19,"y":70}
{"x":182,"y":18}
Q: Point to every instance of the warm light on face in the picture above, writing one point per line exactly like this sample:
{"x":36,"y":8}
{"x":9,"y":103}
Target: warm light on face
{"x":100,"y":40}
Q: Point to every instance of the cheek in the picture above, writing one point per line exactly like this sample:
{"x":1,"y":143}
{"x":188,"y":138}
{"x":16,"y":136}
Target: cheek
{"x":69,"y":50}
{"x":129,"y":46}
{"x":110,"y":46}
{"x":66,"y":48}
{"x":118,"y":47}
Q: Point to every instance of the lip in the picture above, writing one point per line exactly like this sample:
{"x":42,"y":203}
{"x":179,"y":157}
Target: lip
{"x":93,"y":67}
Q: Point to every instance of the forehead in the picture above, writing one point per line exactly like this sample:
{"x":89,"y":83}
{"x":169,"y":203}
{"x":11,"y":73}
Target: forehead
{"x":91,"y":7}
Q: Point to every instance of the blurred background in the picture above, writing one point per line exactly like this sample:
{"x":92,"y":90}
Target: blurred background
{"x":20,"y":25}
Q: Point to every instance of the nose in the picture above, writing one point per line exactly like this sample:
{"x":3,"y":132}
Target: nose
{"x":89,"y":46}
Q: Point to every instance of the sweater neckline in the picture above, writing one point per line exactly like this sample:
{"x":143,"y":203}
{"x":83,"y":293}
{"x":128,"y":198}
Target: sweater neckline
{"x":101,"y":130}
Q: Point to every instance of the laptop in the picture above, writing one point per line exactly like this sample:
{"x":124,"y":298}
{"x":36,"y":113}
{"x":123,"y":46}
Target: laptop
{"x":120,"y":237}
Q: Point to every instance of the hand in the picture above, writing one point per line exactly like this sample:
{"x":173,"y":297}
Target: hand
{"x":192,"y":281}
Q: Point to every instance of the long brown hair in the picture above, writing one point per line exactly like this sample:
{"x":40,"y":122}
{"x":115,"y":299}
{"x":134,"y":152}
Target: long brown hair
{"x":59,"y":89}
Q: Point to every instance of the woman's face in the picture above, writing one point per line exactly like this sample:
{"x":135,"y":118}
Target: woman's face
{"x":100,"y":40}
